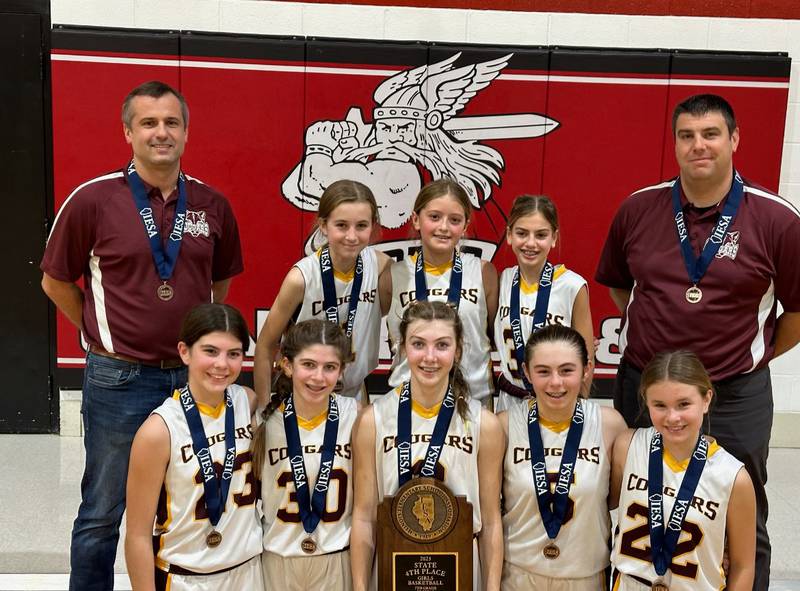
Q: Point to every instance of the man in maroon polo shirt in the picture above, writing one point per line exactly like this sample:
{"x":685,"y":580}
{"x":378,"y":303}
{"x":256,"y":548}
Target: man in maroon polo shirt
{"x":150,"y":243}
{"x":689,"y":268}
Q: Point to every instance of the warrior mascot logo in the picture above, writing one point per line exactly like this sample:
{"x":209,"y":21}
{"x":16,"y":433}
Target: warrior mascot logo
{"x":415,"y":128}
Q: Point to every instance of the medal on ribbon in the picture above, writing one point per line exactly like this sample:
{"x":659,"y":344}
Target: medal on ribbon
{"x":696,"y":267}
{"x":215,"y":488}
{"x":329,"y":299}
{"x":553,"y":506}
{"x":456,"y":276}
{"x":311,"y":506}
{"x":164,"y":258}
{"x":435,"y":445}
{"x":539,"y":315}
{"x":663,"y":543}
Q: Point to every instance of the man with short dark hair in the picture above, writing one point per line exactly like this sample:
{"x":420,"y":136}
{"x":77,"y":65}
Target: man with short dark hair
{"x":699,"y":263}
{"x":150,"y":243}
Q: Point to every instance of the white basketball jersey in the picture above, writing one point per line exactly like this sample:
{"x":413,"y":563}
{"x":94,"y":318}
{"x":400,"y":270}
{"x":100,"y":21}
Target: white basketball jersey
{"x":475,"y":363}
{"x":564,"y":290}
{"x":367,"y":326}
{"x":283,"y":530}
{"x":696,"y":563}
{"x":458,"y":463}
{"x":583,"y":537}
{"x":182,"y":522}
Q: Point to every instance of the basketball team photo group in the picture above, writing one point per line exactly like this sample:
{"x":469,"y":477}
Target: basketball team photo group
{"x":481,"y":454}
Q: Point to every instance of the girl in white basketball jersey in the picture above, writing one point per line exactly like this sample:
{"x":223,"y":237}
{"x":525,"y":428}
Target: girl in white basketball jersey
{"x":557,"y":467}
{"x":191,"y":490}
{"x":302,"y":450}
{"x":686,"y":506}
{"x":321,"y":285}
{"x":535,"y":291}
{"x":439,"y":272}
{"x":433,"y":406}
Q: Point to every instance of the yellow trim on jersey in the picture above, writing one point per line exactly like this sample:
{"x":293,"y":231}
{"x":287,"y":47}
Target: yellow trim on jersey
{"x":555,"y":427}
{"x":435,"y":269}
{"x":164,"y":527}
{"x":311,"y":424}
{"x":211,"y":411}
{"x":424,"y":412}
{"x":340,"y":275}
{"x":345,"y":277}
{"x":308,"y":424}
{"x":206,"y":409}
{"x":529,"y":288}
{"x":681,"y":465}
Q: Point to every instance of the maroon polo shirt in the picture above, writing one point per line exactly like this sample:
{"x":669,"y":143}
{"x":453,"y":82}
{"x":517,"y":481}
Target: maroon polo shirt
{"x":732,"y":328}
{"x":99,"y":235}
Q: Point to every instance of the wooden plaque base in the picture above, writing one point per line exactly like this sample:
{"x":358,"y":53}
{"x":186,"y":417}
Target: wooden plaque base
{"x":424,"y":539}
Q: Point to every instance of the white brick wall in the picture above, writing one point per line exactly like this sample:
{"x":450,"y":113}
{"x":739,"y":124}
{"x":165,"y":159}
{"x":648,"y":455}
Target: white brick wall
{"x":479,"y":26}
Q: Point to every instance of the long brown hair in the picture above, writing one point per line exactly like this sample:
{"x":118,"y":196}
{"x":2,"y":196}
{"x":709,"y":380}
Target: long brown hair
{"x":207,"y":318}
{"x":429,"y":311}
{"x":530,"y":204}
{"x":299,"y":337}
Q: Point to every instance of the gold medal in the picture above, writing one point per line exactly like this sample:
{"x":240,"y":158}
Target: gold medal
{"x":308,"y":546}
{"x":213,"y":539}
{"x":694,"y":295}
{"x":659,"y":586}
{"x":551,"y":551}
{"x":165,"y":292}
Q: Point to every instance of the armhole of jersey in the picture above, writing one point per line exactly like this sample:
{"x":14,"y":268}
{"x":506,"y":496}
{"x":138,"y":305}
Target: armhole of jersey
{"x":169,"y":436}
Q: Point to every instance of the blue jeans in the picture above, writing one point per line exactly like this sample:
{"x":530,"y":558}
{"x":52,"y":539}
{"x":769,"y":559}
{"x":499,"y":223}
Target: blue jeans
{"x":117,"y":397}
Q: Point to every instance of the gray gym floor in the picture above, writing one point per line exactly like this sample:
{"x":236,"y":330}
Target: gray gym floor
{"x":40,"y":492}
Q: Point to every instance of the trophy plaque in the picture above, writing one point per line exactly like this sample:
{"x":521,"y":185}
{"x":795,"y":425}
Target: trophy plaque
{"x":424,"y":539}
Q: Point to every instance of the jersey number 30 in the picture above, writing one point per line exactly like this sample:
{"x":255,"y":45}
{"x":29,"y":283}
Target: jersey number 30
{"x":291,"y":513}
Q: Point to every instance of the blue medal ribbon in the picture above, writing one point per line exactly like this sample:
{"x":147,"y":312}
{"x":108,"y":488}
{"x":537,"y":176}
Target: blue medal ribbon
{"x":164,"y":258}
{"x":329,"y":299}
{"x":435,"y":445}
{"x":553,"y":506}
{"x":215,"y":489}
{"x":456,"y":275}
{"x":696,"y":267}
{"x":311,"y":506}
{"x":662,"y":545}
{"x":539,"y":315}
